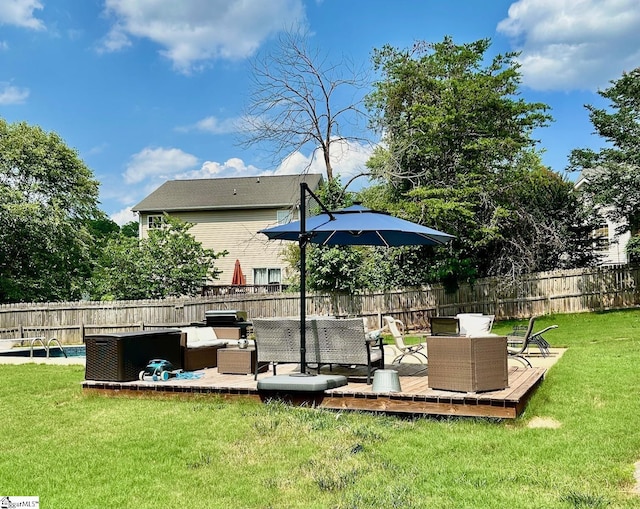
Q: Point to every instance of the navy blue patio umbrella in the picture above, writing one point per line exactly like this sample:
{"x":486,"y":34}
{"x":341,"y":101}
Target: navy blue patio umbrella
{"x":352,"y":226}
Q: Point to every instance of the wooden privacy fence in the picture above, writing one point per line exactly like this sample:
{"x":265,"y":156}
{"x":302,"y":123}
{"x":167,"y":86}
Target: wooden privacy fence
{"x":535,"y":294}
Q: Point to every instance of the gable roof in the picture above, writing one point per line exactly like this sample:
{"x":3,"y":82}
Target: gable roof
{"x":281,"y":191}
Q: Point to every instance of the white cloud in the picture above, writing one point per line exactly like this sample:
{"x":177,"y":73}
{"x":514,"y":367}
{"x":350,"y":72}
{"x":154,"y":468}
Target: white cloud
{"x":115,"y":40}
{"x":150,"y":167}
{"x":574,"y":44}
{"x":213,"y":125}
{"x":347,"y":161}
{"x":158,"y":163}
{"x":12,"y":95}
{"x":97,"y":149}
{"x":20,"y":13}
{"x":234,"y":167}
{"x":195,"y":31}
{"x":124,"y":216}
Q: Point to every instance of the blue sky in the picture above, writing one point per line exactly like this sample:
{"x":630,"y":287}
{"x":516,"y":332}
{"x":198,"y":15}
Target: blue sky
{"x":150,"y":90}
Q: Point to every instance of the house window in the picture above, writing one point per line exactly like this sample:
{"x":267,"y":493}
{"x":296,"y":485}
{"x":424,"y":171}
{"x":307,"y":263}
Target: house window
{"x":284,"y":216}
{"x":155,"y":222}
{"x":601,"y":236}
{"x":266,"y":276}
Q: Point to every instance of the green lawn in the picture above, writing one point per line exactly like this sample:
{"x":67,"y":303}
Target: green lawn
{"x":87,"y":451}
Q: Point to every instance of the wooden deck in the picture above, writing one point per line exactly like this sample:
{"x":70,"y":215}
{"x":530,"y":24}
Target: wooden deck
{"x":416,"y":398}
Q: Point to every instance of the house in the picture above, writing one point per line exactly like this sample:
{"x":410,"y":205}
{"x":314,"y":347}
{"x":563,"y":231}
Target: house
{"x":227,"y":214}
{"x":612,"y":246}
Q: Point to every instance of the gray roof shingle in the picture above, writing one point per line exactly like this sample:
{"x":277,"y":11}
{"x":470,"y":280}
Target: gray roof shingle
{"x":227,"y":193}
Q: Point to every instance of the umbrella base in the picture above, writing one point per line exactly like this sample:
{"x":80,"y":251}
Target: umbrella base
{"x":313,"y":383}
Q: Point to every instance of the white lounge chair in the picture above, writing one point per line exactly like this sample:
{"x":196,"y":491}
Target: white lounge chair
{"x":396,"y":329}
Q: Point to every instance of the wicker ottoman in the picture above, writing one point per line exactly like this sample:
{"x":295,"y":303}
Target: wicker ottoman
{"x":459,"y":363}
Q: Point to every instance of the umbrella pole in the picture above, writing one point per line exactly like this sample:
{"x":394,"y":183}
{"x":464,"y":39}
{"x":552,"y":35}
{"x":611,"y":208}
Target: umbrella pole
{"x":302,"y":242}
{"x":303,"y":239}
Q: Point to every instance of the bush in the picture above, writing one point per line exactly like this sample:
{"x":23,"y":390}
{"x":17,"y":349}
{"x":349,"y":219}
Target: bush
{"x":633,"y":249}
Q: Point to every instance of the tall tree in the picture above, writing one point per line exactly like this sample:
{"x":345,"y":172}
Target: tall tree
{"x":334,"y":269}
{"x":613,"y":173}
{"x":300,"y":99}
{"x":169,"y":263}
{"x":456,"y":136}
{"x":47,"y":197}
{"x":130,"y":229}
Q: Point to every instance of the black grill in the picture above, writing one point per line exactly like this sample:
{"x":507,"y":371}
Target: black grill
{"x":227,"y":318}
{"x":224,"y":317}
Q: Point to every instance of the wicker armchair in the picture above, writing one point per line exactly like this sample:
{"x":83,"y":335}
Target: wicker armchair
{"x":277,"y":341}
{"x":344,"y":341}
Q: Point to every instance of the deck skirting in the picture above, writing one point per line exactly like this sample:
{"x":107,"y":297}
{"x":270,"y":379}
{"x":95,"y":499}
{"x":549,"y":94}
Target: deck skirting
{"x":416,"y":398}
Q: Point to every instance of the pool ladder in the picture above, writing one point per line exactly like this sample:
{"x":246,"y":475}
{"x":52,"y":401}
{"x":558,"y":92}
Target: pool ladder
{"x":47,"y":347}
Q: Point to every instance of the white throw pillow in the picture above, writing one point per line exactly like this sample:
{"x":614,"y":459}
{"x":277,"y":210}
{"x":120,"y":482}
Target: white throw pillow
{"x":199,"y":334}
{"x":475,"y":325}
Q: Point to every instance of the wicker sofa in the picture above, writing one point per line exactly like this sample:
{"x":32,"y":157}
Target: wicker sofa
{"x":199,"y":348}
{"x":328,"y":341}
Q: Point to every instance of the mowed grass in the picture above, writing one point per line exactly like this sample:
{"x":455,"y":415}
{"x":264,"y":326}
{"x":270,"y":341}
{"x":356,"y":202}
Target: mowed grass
{"x":84,"y":451}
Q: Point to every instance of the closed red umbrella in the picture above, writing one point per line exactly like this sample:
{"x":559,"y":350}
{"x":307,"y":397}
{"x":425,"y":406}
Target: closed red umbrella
{"x":238,"y":278}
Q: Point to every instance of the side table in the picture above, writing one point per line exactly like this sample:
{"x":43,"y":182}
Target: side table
{"x":467,"y":364}
{"x":238,"y":361}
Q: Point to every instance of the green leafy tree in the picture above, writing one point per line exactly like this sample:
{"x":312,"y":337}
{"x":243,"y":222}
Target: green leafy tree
{"x":458,"y":155}
{"x":130,"y":229}
{"x":334,"y":269}
{"x":633,"y":249}
{"x":542,"y":223}
{"x":103,"y":227}
{"x":169,"y":263}
{"x":613,"y":173}
{"x":47,"y":198}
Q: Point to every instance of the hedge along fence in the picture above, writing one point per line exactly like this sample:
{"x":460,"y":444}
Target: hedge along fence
{"x":567,"y":291}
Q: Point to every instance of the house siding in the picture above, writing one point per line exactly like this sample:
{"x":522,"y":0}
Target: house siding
{"x":237,"y":232}
{"x":616,"y":252}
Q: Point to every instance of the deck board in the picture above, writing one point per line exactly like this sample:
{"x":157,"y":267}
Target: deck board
{"x":416,"y":397}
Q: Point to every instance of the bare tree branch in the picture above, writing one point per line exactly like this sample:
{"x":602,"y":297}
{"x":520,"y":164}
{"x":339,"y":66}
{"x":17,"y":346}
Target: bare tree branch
{"x":299,"y":99}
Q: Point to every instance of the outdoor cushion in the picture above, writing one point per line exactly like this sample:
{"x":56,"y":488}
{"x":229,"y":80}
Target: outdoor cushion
{"x":197,"y":334}
{"x":206,"y":344}
{"x":472,"y":324}
{"x":293,"y":383}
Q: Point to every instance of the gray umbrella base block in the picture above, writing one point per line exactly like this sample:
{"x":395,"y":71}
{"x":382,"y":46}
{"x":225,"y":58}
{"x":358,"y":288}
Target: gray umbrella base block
{"x":298,"y":383}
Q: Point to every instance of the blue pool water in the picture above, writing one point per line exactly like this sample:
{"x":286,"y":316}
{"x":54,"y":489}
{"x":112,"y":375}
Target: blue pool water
{"x":54,"y":351}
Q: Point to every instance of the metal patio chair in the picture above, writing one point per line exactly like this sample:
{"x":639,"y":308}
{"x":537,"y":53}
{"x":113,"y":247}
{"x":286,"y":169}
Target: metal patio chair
{"x":396,"y":329}
{"x":523,"y":337}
